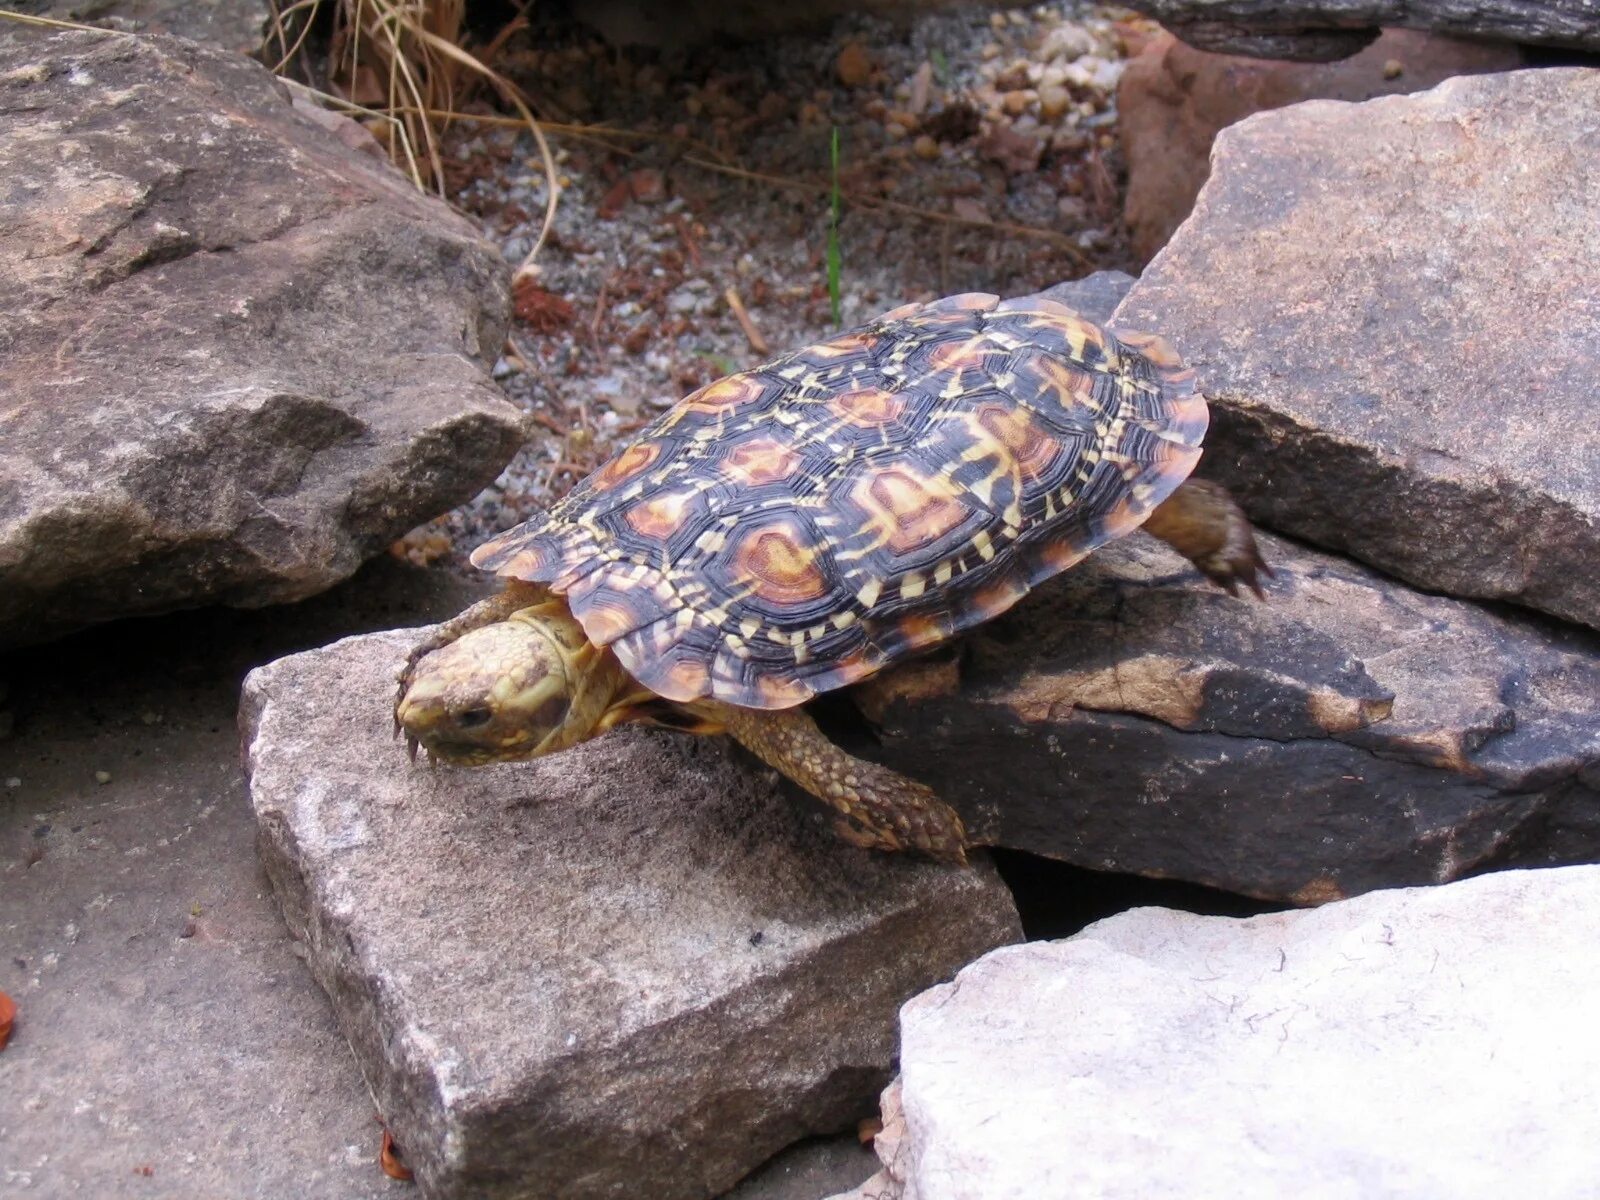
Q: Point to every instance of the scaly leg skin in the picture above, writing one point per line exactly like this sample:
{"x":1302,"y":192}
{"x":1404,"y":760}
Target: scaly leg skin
{"x":879,"y":809}
{"x":1205,"y":525}
{"x":514,"y":597}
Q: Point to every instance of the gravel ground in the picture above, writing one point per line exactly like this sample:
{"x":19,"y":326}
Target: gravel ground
{"x":976,"y":154}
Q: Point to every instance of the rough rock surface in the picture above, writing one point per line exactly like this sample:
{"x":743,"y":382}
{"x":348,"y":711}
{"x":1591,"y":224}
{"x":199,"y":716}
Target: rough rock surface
{"x":1323,"y":30}
{"x":1422,"y":1043}
{"x":236,"y":25}
{"x":1346,"y":735}
{"x":1400,"y":358}
{"x":1173,"y":100}
{"x":235,"y":358}
{"x":630,"y":969}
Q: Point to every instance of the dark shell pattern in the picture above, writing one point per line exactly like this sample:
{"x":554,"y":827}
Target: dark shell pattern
{"x":793,"y":528}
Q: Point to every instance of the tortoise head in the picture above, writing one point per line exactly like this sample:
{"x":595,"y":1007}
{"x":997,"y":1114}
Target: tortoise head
{"x":518,"y":688}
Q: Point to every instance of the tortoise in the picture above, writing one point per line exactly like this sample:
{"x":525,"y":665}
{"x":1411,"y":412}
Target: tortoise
{"x":794,"y":528}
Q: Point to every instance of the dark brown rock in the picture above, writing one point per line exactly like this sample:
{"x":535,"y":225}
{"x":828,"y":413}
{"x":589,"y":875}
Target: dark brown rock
{"x":630,"y":969}
{"x":1394,"y":308}
{"x":1324,"y":30}
{"x":1346,"y":735}
{"x":1173,"y":100}
{"x":235,"y":358}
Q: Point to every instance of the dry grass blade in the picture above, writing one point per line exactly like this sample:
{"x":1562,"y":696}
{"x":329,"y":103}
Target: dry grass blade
{"x":602,"y":134}
{"x":52,"y":23}
{"x":402,"y":64}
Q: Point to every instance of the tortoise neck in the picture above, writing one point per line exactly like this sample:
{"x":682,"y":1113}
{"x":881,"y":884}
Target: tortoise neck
{"x":595,"y":679}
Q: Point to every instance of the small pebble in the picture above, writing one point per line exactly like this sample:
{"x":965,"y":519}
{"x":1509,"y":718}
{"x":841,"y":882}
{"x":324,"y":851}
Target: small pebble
{"x":1393,"y":69}
{"x":853,"y":66}
{"x":895,"y":130}
{"x":14,"y":782}
{"x":1053,"y":102}
{"x":1016,"y":103}
{"x":102,"y":776}
{"x":925,"y":147}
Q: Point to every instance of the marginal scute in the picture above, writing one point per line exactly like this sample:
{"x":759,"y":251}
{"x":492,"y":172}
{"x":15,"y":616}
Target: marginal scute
{"x":794,"y":528}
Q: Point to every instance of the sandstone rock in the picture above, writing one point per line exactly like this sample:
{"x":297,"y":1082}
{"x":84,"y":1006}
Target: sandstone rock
{"x":1324,"y":30}
{"x":1173,"y":100}
{"x":236,"y":25}
{"x":1400,"y":360}
{"x":235,"y":358}
{"x":1422,"y":1043}
{"x":1346,"y":735}
{"x":632,"y":969}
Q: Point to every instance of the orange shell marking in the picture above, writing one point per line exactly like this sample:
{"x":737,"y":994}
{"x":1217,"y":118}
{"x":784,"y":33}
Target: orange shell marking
{"x":914,"y":508}
{"x":636,"y":459}
{"x":761,"y":460}
{"x":868,"y":406}
{"x":778,"y":568}
{"x":1026,"y":442}
{"x":659,"y":515}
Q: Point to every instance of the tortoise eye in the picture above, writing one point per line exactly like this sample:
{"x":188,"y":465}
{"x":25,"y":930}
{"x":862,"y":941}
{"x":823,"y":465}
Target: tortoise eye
{"x":473,"y":717}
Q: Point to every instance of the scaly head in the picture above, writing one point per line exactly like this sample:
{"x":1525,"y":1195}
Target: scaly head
{"x":518,"y":688}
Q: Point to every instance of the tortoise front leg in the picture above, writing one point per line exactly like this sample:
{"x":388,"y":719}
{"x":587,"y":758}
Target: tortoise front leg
{"x":879,"y":809}
{"x":1202,"y":522}
{"x":514,"y":597}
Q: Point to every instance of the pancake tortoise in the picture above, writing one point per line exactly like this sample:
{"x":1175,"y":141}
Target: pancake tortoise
{"x":799,"y":526}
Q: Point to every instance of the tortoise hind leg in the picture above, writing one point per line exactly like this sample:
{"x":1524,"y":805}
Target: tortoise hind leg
{"x":879,"y":809}
{"x":1202,"y":522}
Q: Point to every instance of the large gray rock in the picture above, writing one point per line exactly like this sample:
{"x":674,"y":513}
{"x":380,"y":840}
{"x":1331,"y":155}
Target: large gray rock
{"x":1324,"y":30}
{"x":632,"y":969}
{"x":1173,"y":100}
{"x":1346,"y":735}
{"x":236,"y":25}
{"x":1410,"y":1044}
{"x":1395,"y":310}
{"x":235,"y":358}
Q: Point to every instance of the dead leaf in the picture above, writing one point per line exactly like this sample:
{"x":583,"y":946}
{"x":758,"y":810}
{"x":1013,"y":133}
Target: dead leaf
{"x":539,"y":309}
{"x":8,"y":1016}
{"x":389,"y":1159}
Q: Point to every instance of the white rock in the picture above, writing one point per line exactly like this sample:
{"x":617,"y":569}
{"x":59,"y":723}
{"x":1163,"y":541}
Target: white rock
{"x":1418,"y":1043}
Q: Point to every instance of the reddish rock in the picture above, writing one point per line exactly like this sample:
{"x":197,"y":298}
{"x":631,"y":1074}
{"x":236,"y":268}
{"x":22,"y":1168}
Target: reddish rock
{"x":1174,"y":99}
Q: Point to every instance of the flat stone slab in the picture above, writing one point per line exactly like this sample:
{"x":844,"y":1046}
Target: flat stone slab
{"x":1323,"y":30}
{"x":1346,"y":734}
{"x":632,"y":969}
{"x":1408,"y":1044}
{"x":236,"y":358}
{"x":1400,"y":360}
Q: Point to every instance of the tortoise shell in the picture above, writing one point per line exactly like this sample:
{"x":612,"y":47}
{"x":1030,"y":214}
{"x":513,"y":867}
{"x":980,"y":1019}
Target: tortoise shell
{"x":796,"y":527}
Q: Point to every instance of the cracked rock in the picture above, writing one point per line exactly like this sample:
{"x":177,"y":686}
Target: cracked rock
{"x":236,"y":359}
{"x":1401,"y":362}
{"x":1408,"y":1044}
{"x":1345,"y":735}
{"x":631,"y":969}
